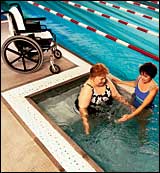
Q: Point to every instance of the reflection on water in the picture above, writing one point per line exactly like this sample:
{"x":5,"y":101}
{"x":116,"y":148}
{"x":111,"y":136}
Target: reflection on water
{"x":115,"y":147}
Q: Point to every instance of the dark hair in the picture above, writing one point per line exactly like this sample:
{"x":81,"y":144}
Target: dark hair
{"x":149,"y":68}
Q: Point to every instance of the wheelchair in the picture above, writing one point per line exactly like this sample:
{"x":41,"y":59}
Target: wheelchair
{"x":24,"y":51}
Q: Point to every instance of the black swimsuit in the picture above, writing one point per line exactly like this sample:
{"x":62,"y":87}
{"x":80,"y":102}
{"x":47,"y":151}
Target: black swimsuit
{"x":97,"y":100}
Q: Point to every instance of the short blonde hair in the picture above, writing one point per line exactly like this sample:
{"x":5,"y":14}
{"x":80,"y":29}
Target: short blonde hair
{"x":98,"y":70}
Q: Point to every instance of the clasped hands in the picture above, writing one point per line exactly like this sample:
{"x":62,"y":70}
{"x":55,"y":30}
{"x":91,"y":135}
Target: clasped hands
{"x":126,"y":117}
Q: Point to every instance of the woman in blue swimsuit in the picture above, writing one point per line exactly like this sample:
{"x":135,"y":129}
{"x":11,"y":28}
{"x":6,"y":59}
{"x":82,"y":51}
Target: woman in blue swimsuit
{"x":96,"y":91}
{"x":145,"y":90}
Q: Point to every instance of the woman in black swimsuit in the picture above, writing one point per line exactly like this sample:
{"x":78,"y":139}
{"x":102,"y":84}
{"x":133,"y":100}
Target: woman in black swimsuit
{"x":97,"y":90}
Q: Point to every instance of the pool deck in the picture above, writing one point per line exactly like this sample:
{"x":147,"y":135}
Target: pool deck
{"x":21,"y":149}
{"x":20,"y":153}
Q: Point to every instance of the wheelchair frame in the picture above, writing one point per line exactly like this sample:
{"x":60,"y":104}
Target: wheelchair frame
{"x":28,"y":43}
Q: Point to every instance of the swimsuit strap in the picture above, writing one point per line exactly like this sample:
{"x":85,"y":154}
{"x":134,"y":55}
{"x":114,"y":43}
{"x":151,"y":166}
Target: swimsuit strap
{"x":89,"y":85}
{"x":137,"y":80}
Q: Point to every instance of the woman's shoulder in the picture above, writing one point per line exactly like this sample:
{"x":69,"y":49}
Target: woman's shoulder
{"x":87,"y":85}
{"x":153,"y":85}
{"x":110,"y":85}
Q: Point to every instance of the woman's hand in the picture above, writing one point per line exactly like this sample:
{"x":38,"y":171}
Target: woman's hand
{"x":116,"y":80}
{"x":124,"y":118}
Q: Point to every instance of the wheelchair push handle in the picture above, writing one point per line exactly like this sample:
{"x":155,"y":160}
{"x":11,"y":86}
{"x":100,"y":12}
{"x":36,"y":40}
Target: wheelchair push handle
{"x":34,"y":19}
{"x":14,"y":4}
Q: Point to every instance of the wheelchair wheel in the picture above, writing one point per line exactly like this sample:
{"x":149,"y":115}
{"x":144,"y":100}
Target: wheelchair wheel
{"x":55,"y":70}
{"x":22,"y":54}
{"x":57,"y":53}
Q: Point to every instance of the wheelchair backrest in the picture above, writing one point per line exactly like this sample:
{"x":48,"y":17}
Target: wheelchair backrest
{"x":15,"y":21}
{"x":18,"y":18}
{"x":12,"y":24}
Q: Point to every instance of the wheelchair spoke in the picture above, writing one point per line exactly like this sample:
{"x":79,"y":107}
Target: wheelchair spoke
{"x":30,"y":59}
{"x":15,"y":60}
{"x":24,"y":65}
{"x":13,"y":51}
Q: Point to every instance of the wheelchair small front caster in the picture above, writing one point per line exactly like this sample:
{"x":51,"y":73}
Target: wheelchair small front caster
{"x":57,"y":53}
{"x":56,"y":69}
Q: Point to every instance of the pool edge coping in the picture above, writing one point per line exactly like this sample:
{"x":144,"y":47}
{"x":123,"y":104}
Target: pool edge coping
{"x":26,"y":127}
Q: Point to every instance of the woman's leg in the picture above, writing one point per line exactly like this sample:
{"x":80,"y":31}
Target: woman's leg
{"x":143,"y":120}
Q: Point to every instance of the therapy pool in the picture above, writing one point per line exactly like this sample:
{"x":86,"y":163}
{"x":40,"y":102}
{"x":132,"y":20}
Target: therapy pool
{"x":114,"y":147}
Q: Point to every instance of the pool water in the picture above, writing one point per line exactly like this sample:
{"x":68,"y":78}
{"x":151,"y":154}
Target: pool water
{"x":122,"y":61}
{"x":114,"y":147}
{"x":120,"y":143}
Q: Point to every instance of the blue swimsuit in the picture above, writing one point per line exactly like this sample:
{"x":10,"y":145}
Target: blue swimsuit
{"x":140,"y":97}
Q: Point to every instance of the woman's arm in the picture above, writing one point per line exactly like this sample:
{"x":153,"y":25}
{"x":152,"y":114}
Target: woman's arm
{"x":84,"y":116}
{"x":146,"y":102}
{"x":84,"y":101}
{"x":117,"y":96}
{"x":118,"y":81}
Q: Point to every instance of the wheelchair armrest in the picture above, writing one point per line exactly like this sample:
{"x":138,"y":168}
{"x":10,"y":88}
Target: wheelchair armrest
{"x":29,"y":20}
{"x":31,"y":31}
{"x":27,"y":31}
{"x":5,"y":12}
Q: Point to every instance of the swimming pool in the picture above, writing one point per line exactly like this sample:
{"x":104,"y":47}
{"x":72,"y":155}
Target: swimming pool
{"x":121,"y":61}
{"x":89,"y":45}
{"x":94,"y":47}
